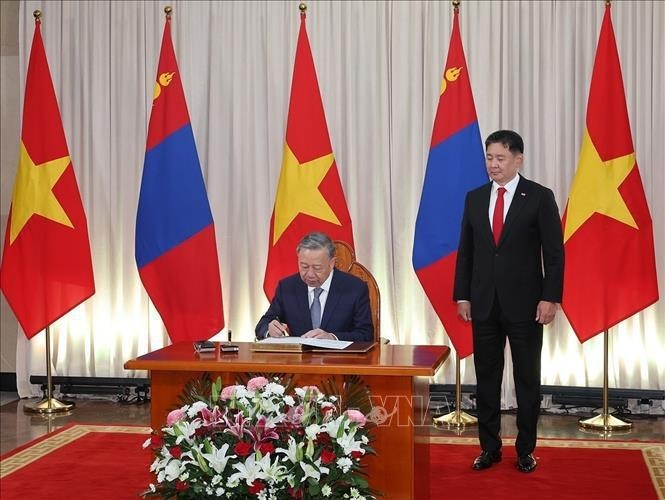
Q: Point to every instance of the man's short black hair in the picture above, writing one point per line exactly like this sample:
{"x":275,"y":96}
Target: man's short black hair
{"x":509,"y":138}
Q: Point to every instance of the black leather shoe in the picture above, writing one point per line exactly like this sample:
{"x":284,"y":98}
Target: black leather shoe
{"x":526,"y":463}
{"x":486,"y":459}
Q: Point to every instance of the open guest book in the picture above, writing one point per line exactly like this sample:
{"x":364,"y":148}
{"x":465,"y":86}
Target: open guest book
{"x":299,"y":344}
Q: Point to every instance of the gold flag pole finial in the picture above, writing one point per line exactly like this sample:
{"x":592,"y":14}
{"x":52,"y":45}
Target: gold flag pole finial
{"x":456,"y":5}
{"x":167,"y":10}
{"x":37,"y":15}
{"x":302,"y":7}
{"x":608,"y":3}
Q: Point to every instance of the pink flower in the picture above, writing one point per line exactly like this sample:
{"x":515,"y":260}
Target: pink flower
{"x":228,"y":392}
{"x":314,"y":390}
{"x":257,"y":383}
{"x":213,"y":417}
{"x":356,"y":416}
{"x":294,"y":415}
{"x":175,"y":416}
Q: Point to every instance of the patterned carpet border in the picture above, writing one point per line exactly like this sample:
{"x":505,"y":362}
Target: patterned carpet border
{"x":58,"y":440}
{"x":652,"y":453}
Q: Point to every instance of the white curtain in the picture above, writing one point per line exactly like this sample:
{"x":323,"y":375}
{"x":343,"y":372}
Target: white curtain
{"x":379,"y":67}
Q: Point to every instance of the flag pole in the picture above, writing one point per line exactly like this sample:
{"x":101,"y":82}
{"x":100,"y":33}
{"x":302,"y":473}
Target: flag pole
{"x":456,"y":418}
{"x":604,"y":422}
{"x":49,"y":405}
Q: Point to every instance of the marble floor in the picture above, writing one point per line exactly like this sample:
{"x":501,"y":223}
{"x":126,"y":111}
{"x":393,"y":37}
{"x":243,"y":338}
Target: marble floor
{"x":18,"y":427}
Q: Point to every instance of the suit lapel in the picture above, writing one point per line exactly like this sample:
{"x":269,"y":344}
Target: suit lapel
{"x":519,"y":200}
{"x":484,"y":208}
{"x":302,"y":297}
{"x":331,"y":300}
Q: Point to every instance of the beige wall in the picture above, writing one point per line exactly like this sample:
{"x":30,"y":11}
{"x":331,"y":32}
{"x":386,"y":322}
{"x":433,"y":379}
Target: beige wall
{"x":9,"y":136}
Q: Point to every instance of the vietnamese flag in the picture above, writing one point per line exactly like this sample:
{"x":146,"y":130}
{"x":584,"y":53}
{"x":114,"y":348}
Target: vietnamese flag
{"x":456,"y":165}
{"x":309,"y":192}
{"x":610,"y":269}
{"x":46,"y":265}
{"x":175,"y":247}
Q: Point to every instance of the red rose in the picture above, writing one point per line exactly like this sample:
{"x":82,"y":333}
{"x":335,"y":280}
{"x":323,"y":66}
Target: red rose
{"x":242,"y":449}
{"x":328,"y":457}
{"x":296,"y":494}
{"x":266,"y":448}
{"x":322,"y":438}
{"x":256,"y":487}
{"x":175,"y":452}
{"x":356,"y":455}
{"x":156,"y":441}
{"x":181,"y":486}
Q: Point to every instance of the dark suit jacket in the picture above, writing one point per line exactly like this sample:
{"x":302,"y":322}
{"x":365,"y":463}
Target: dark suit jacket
{"x":346,"y":313}
{"x":527,"y":264}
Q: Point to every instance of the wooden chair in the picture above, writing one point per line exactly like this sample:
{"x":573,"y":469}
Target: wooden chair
{"x":345,"y":260}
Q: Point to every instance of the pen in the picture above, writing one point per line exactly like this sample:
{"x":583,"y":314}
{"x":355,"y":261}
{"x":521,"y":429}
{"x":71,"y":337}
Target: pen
{"x":284,"y":332}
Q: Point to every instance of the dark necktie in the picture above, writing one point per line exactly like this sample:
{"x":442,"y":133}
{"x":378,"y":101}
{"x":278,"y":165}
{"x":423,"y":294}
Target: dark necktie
{"x":497,"y":218}
{"x":315,"y":309}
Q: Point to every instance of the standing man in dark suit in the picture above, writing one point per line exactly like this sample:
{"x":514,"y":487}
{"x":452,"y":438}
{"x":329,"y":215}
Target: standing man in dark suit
{"x":509,"y":279}
{"x":320,"y":301}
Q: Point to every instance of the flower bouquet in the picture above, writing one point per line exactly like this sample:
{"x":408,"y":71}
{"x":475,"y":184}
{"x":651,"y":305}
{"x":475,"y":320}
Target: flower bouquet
{"x":266,"y":440}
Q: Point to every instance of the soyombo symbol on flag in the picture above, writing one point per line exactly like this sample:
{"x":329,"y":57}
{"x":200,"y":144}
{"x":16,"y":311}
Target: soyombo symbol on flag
{"x":309,"y":193}
{"x":610,"y":262}
{"x":456,"y":164}
{"x":176,"y":252}
{"x":46,"y":263}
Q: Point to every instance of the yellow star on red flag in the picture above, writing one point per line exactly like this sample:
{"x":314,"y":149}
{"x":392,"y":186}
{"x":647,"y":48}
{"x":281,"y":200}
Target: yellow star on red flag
{"x":33,"y":192}
{"x":595,"y":188}
{"x":298,"y":191}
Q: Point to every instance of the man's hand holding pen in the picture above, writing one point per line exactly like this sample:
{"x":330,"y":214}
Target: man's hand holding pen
{"x":277,"y":329}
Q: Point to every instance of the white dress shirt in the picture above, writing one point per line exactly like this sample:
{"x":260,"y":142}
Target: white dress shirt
{"x":510,"y":187}
{"x":324,"y":294}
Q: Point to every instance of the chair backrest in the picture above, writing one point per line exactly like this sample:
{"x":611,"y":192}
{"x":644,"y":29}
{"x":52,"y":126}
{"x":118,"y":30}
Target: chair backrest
{"x":346,"y":261}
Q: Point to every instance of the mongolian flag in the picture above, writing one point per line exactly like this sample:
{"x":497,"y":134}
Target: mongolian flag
{"x":176,"y":251}
{"x":309,"y":193}
{"x":46,"y":263}
{"x":456,"y":165}
{"x":608,"y":237}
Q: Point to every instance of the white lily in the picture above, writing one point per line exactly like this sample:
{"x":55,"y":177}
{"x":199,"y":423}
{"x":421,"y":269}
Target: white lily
{"x":274,"y":472}
{"x":250,"y":470}
{"x":292,"y":453}
{"x":172,"y":470}
{"x":312,"y":430}
{"x":349,"y":444}
{"x":218,"y":458}
{"x":313,"y":471}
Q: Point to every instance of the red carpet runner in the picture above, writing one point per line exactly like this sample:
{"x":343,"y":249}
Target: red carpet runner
{"x":93,"y":462}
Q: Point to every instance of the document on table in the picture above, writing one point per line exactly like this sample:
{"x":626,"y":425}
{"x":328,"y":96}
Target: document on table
{"x":318,"y":343}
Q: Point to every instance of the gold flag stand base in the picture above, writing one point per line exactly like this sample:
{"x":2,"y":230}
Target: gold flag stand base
{"x":457,"y":418}
{"x":49,"y":407}
{"x":605,"y":422}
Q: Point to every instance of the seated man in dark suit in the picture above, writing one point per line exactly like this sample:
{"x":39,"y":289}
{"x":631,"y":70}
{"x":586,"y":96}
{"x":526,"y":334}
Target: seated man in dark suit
{"x":319,"y":301}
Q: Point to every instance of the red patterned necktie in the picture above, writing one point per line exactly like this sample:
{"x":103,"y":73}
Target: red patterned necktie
{"x":497,"y":218}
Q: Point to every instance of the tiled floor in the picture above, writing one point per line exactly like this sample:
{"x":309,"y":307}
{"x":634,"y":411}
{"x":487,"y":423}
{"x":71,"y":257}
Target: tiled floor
{"x":18,"y":427}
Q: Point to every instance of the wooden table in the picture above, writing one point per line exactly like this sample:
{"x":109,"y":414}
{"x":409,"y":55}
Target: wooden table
{"x":397,"y":376}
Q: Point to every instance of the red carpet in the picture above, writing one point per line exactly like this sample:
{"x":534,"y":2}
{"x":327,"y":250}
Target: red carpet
{"x":79,"y":462}
{"x":93,"y":462}
{"x":567,"y":469}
